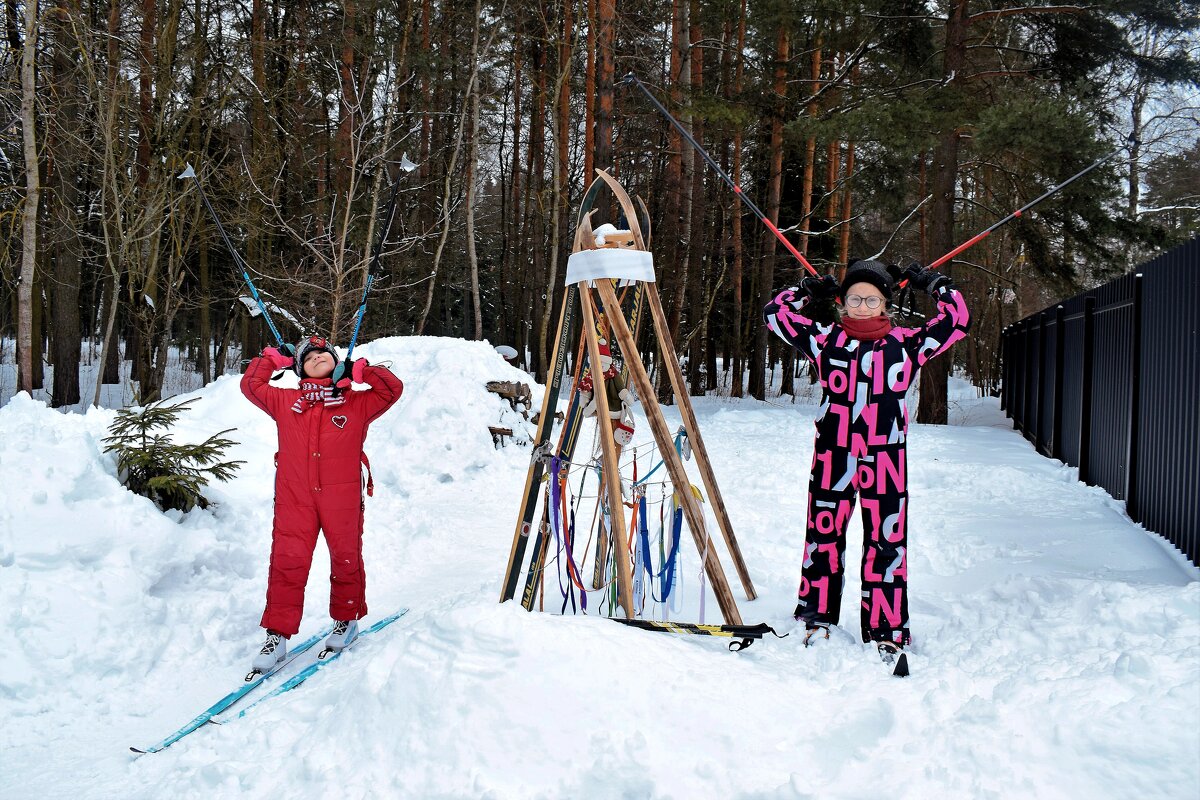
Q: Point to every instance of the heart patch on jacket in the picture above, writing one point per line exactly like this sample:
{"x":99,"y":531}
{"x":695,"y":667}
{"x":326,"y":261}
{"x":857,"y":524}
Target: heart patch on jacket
{"x":339,"y":420}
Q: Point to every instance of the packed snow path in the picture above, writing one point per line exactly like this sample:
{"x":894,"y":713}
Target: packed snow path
{"x":1057,"y":644}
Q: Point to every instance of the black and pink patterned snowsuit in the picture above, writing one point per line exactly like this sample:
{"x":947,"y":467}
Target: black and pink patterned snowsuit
{"x":860,"y":448}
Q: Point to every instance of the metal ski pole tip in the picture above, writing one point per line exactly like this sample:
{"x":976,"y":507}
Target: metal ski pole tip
{"x":188,"y":172}
{"x":405,"y":164}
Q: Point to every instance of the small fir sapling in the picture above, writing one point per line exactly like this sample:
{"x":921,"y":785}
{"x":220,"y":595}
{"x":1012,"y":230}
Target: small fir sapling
{"x":150,"y":464}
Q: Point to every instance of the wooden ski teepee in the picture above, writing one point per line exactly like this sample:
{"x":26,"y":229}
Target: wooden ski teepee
{"x":591,"y":272}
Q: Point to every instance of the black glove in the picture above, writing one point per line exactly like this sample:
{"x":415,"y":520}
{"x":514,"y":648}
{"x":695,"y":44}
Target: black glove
{"x":288,"y":350}
{"x":926,"y":280}
{"x":825,"y":287}
{"x":346,"y":371}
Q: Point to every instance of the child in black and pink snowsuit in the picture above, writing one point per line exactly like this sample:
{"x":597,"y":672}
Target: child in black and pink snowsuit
{"x":318,"y":482}
{"x":866,"y":367}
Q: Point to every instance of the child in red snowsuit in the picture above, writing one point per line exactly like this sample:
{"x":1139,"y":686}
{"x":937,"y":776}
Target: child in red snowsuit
{"x":318,"y":482}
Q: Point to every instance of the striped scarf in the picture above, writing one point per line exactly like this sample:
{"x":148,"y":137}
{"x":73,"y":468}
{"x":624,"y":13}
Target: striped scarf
{"x":312,"y":393}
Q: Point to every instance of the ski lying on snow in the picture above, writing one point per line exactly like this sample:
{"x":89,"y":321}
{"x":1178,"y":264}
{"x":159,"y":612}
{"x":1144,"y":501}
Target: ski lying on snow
{"x":744,"y":634}
{"x":254,"y":680}
{"x":326,"y":656}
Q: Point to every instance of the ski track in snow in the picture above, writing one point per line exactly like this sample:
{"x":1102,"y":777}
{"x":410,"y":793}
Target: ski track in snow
{"x":1056,"y":653}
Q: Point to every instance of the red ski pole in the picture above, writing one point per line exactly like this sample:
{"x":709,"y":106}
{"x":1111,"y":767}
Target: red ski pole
{"x":979,"y":237}
{"x":737,"y":190}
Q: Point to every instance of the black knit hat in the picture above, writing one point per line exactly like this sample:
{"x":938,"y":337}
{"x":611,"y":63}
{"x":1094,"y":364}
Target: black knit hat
{"x":866,"y":271}
{"x":311,"y":344}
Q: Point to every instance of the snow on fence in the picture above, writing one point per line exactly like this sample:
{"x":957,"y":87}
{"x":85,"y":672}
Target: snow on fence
{"x":1109,"y":381}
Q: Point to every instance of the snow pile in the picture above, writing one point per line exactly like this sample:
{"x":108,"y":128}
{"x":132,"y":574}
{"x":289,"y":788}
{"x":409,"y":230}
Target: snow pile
{"x":1057,"y":644}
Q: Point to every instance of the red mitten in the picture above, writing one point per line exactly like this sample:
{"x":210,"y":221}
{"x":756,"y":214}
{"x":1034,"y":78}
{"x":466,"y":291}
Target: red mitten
{"x":278,"y":359}
{"x":344,"y":373}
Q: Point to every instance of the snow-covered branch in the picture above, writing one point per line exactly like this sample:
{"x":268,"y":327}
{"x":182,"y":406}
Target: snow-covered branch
{"x":1162,"y":209}
{"x":997,"y":13}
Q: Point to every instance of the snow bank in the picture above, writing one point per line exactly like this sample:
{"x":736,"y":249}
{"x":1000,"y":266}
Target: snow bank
{"x":1057,"y":644}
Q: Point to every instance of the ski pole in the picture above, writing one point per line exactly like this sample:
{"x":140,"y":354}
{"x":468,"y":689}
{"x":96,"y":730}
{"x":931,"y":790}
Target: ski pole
{"x":406,"y":167}
{"x":737,"y":190}
{"x":979,"y":237}
{"x":188,"y":172}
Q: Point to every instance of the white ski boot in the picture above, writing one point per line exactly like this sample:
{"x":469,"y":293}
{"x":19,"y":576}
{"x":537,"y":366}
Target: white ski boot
{"x":343,"y":634}
{"x":271,"y":654}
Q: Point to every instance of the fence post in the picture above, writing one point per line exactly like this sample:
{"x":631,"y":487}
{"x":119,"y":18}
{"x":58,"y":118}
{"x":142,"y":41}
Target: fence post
{"x":1060,"y":324}
{"x":1018,"y":393}
{"x":1008,"y":371}
{"x":1004,"y":370}
{"x":1027,"y":382}
{"x":1085,"y":403}
{"x":1039,"y":403}
{"x":1135,"y":369}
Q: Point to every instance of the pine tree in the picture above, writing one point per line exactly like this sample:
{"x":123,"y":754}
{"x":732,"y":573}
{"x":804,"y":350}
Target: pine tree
{"x":152,"y":465}
{"x":1174,"y":195}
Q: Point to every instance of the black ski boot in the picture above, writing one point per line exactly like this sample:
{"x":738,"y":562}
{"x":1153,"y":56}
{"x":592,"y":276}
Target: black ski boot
{"x":894,"y":657}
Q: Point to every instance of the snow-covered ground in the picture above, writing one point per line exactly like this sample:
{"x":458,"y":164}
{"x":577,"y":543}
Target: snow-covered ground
{"x":1057,"y":650}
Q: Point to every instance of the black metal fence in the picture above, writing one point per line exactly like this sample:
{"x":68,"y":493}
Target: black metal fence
{"x":1109,"y":381}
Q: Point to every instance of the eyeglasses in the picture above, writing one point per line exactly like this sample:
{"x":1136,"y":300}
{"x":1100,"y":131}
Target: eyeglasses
{"x":854,"y":301}
{"x":318,"y":341}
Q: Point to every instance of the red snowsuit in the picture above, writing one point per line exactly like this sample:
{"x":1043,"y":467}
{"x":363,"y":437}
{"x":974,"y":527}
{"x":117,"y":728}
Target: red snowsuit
{"x":318,"y":485}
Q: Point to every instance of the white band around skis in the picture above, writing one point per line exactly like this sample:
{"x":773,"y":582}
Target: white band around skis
{"x":624,"y":265}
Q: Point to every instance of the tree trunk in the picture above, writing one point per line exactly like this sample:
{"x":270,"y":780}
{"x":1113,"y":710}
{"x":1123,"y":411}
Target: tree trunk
{"x":110,"y":356}
{"x":932,"y":408}
{"x":694,"y":277}
{"x":222,"y":353}
{"x":146,"y":62}
{"x":561,"y":171}
{"x":847,"y":207}
{"x":810,"y":149}
{"x":349,"y":105}
{"x":758,"y":365}
{"x":678,"y":187}
{"x":25,"y":330}
{"x":606,"y":15}
{"x":923,"y":226}
{"x":68,"y":247}
{"x":736,"y":384}
{"x":204,"y":302}
{"x":674,"y":229}
{"x":1135,"y":151}
{"x":37,"y":338}
{"x":833,"y":159}
{"x":472,"y":161}
{"x":589,"y":99}
{"x":426,"y":89}
{"x":537,"y":188}
{"x":513,"y":267}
